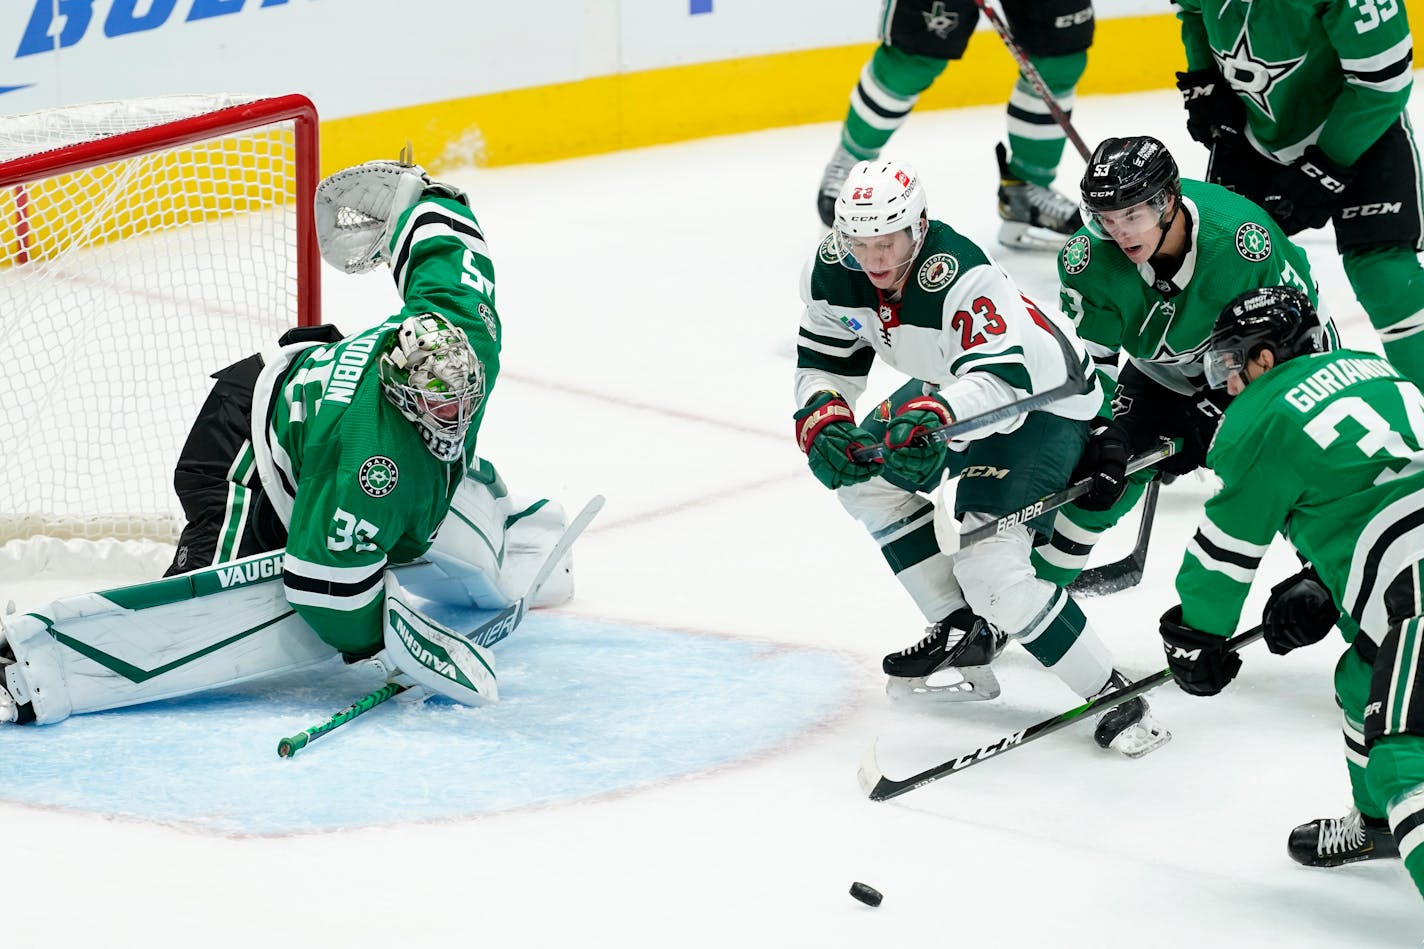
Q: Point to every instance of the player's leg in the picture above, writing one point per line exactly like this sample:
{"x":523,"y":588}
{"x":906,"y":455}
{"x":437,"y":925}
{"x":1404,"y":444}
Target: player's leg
{"x":228,"y":515}
{"x":916,"y":41}
{"x":1004,"y":473}
{"x":1056,"y":35}
{"x":1062,"y":555}
{"x":1377,"y":229}
{"x":900,"y":518}
{"x":1394,"y":722}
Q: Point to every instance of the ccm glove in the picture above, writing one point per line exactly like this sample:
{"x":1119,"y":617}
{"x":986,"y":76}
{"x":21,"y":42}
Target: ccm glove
{"x":1309,"y":191}
{"x":1105,"y":461}
{"x":1300,"y":612}
{"x":1213,"y":111}
{"x":827,"y":433}
{"x":1200,"y":662}
{"x":910,"y":455}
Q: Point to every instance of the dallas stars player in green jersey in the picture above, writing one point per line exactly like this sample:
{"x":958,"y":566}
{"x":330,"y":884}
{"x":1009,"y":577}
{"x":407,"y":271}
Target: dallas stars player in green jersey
{"x":1144,"y":281}
{"x":890,"y":283}
{"x":351,"y":452}
{"x":1302,"y":103}
{"x":1326,"y":448}
{"x":917,"y":40}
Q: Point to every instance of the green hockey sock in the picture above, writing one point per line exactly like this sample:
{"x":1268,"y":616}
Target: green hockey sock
{"x":880,"y":103}
{"x":1035,"y":137}
{"x":1389,"y":283}
{"x":1075,"y":531}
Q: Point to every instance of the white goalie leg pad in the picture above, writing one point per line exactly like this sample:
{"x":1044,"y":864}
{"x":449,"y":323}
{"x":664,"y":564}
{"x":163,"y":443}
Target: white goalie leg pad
{"x":470,"y":550}
{"x":203,"y":630}
{"x":534,"y":527}
{"x":491,"y":546}
{"x":427,"y":654}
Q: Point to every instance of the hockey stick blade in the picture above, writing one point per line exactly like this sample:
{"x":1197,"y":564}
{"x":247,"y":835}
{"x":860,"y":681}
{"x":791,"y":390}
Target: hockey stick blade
{"x":878,"y":787}
{"x":486,"y":634}
{"x":1127,"y":572}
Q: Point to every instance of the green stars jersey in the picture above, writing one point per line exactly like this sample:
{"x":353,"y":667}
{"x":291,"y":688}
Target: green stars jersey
{"x":1325,"y":449}
{"x":1335,"y":73}
{"x":960,"y":323}
{"x":349,"y":475}
{"x":1163,"y":325}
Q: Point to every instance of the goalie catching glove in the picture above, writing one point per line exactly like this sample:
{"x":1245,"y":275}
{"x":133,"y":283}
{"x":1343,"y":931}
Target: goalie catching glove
{"x":911,"y":454}
{"x":827,"y":433}
{"x":357,"y":210}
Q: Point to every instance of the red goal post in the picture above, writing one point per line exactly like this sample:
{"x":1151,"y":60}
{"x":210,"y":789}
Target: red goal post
{"x":144,"y":244}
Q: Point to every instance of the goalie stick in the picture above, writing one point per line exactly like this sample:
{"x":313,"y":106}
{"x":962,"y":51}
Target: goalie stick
{"x":486,"y":634}
{"x":880,"y":788}
{"x":1034,"y":79}
{"x":1053,"y":502}
{"x":1127,"y":572}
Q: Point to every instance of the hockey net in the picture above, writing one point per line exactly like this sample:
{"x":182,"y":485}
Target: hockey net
{"x":144,"y":245}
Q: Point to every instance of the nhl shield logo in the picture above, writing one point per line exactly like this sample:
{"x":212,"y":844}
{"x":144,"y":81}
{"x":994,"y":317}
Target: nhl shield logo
{"x":1076,"y":254}
{"x":937,"y":272}
{"x":1253,"y":242}
{"x":378,"y":476}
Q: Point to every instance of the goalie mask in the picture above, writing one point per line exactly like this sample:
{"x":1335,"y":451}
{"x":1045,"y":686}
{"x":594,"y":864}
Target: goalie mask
{"x":433,"y":377}
{"x":880,"y":221}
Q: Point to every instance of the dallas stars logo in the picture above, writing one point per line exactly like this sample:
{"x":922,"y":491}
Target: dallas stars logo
{"x":1251,"y":75}
{"x":940,"y":21}
{"x":378,"y":476}
{"x":1076,"y":254}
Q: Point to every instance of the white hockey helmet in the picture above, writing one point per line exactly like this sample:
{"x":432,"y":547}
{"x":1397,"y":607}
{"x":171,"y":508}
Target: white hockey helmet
{"x":431,"y":374}
{"x":879,"y":197}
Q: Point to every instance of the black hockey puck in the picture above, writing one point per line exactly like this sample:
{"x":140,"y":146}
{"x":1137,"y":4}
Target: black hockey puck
{"x":868,"y":895}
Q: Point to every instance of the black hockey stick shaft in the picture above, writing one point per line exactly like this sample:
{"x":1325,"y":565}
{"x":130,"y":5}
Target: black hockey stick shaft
{"x":1031,"y":74}
{"x":1053,"y":502}
{"x":1127,"y":572}
{"x":1071,"y":386}
{"x":880,"y":788}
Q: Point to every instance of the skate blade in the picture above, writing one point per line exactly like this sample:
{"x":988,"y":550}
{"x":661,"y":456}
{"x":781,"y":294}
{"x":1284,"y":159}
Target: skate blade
{"x":1021,"y":236}
{"x":977,"y":684}
{"x":1136,"y":741}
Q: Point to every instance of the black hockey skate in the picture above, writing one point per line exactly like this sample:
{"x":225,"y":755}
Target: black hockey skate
{"x":961,"y":642}
{"x":1128,"y":728}
{"x":1336,"y":841}
{"x":1035,"y":217}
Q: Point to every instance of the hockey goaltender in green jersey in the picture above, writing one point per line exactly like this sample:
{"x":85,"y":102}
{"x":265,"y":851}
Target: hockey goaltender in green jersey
{"x":1326,"y":448}
{"x":331,"y":486}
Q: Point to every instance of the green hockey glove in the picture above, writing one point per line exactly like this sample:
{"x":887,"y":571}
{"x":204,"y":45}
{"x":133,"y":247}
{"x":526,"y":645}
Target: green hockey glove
{"x":827,"y":433}
{"x":910,"y":454}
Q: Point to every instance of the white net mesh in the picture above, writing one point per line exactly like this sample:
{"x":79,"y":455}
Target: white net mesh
{"x":123,"y":286}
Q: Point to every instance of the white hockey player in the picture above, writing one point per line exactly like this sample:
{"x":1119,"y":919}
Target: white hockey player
{"x":889,"y":282}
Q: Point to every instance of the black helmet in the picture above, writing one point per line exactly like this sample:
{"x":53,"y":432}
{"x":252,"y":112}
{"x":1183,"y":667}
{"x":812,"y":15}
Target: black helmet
{"x":1128,"y":171}
{"x":1281,"y":318}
